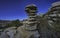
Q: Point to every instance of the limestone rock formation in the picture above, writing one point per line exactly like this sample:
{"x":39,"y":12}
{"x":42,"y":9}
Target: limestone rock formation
{"x":28,"y":30}
{"x":8,"y":33}
{"x":43,"y":26}
{"x":50,"y":22}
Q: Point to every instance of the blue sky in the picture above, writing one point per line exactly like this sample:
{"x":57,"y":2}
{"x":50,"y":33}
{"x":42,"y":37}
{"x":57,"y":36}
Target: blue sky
{"x":15,"y":9}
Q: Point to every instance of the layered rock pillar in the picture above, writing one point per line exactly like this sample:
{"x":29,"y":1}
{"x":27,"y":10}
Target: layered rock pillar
{"x":32,"y":20}
{"x":31,"y":26}
{"x":54,"y":15}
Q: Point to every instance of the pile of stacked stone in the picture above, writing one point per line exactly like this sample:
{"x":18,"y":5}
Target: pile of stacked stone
{"x":54,"y":13}
{"x":32,"y":21}
{"x":50,"y":23}
{"x":29,"y":29}
{"x":53,"y":22}
{"x":54,"y":18}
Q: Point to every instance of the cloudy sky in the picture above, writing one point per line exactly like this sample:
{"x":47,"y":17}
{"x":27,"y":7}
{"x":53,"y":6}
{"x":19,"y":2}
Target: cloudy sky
{"x":15,"y":9}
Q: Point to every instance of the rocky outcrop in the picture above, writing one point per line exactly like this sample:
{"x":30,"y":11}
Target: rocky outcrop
{"x":8,"y":33}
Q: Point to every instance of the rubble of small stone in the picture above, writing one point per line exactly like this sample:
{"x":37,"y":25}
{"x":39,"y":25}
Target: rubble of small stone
{"x":36,"y":26}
